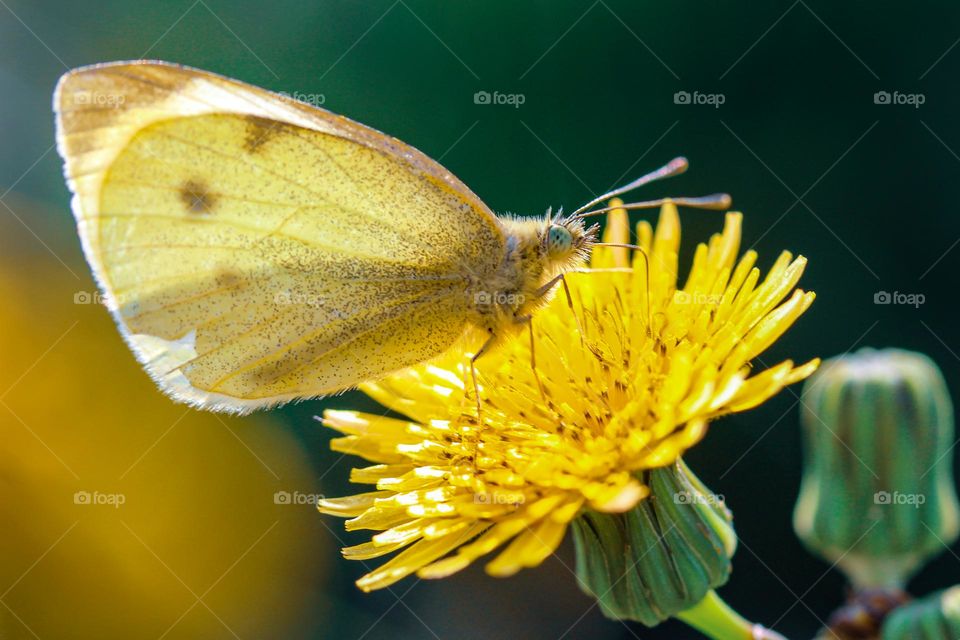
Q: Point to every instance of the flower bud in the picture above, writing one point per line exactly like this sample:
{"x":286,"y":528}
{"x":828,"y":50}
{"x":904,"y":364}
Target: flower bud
{"x":663,"y":556}
{"x":936,"y":617}
{"x":877,"y":496}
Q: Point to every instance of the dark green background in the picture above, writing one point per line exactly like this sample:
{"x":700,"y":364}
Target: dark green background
{"x":868,"y":192}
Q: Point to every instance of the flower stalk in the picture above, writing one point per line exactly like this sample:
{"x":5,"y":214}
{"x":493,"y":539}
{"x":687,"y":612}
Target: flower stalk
{"x":717,"y":620}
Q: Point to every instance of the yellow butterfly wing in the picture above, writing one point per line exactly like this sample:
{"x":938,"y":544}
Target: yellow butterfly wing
{"x":254,"y":249}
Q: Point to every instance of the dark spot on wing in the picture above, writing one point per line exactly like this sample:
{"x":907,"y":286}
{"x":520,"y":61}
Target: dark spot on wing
{"x":227,"y":277}
{"x":197,"y":198}
{"x":259,"y":131}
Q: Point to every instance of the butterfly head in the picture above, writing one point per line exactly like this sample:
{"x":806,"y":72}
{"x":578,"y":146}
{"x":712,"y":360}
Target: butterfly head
{"x":567,"y":239}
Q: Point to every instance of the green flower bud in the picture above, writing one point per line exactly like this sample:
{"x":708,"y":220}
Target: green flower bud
{"x":877,"y":496}
{"x":660,"y":558}
{"x":936,"y":617}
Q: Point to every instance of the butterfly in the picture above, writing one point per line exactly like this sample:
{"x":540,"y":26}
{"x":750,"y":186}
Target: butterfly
{"x":254,"y":249}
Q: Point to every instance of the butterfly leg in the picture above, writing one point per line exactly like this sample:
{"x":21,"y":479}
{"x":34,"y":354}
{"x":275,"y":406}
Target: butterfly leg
{"x":473,"y":371}
{"x":545,"y":289}
{"x":528,"y":319}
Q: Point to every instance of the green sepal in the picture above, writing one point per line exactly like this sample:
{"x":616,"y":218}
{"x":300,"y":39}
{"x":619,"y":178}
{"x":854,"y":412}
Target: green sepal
{"x":935,"y":617}
{"x":660,"y":558}
{"x":877,"y":495}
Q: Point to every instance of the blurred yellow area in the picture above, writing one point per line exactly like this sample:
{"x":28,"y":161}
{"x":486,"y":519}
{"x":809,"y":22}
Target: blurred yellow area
{"x":126,"y":515}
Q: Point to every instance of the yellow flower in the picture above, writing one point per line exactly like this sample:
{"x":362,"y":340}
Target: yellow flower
{"x":653,"y":366}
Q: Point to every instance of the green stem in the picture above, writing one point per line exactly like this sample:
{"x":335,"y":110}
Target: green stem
{"x":715,"y":619}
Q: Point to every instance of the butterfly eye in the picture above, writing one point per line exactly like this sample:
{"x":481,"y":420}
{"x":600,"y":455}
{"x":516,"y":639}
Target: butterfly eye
{"x":559,"y":240}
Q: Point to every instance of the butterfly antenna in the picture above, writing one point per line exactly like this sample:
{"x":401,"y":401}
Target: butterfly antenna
{"x":716,"y":201}
{"x":673,"y":168}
